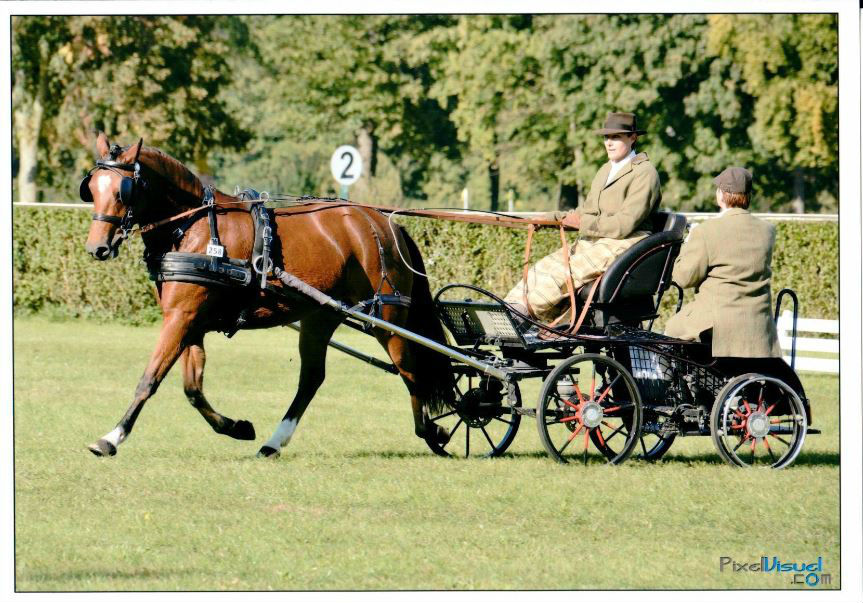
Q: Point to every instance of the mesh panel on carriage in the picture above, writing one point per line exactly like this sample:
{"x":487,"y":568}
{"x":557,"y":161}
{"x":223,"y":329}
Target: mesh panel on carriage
{"x":470,"y":321}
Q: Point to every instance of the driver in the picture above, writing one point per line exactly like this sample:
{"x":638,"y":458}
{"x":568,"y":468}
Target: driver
{"x":727,"y":260}
{"x":614,"y":217}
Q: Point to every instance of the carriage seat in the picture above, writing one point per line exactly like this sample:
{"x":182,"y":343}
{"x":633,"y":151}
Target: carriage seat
{"x":632,"y":286}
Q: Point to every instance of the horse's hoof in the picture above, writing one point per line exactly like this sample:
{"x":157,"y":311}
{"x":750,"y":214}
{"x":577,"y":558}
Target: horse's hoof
{"x":267,"y":452}
{"x":102,"y":448}
{"x":440,"y":436}
{"x":243,"y":430}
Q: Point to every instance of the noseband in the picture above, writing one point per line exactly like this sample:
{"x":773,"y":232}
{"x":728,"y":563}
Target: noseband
{"x":129,"y":188}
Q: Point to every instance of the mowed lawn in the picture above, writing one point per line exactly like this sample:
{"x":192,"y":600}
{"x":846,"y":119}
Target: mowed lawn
{"x":357,"y":501}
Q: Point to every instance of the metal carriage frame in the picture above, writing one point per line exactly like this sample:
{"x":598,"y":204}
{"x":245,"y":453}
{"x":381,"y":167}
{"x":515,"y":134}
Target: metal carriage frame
{"x":643,"y":391}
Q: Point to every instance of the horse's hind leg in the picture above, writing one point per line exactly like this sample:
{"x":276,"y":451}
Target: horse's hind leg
{"x":400,"y":352}
{"x":315,"y":334}
{"x":192,"y":361}
{"x":168,"y":348}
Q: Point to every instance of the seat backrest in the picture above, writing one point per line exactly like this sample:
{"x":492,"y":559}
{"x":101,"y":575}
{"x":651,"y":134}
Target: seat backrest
{"x":666,"y":221}
{"x":644,"y":270}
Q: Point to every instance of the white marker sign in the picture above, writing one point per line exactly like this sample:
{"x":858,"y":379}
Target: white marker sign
{"x":346,"y":165}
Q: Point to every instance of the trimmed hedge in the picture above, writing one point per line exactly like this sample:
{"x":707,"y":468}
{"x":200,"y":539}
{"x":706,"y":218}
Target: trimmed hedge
{"x":52,"y":272}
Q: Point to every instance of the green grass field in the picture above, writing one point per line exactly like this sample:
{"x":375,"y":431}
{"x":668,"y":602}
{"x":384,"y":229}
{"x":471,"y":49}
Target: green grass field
{"x":357,"y":501}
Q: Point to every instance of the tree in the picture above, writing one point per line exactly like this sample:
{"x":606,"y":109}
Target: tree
{"x":156,"y":77}
{"x":343,"y":79}
{"x":792,"y":78}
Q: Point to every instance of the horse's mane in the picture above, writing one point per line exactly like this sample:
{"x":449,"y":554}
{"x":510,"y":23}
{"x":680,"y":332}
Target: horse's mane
{"x":171,"y":170}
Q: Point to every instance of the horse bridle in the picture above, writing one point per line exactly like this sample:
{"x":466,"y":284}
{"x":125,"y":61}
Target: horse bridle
{"x":129,"y":188}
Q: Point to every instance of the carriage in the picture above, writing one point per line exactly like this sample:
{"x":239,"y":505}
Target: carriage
{"x":615,"y":384}
{"x":608,"y":379}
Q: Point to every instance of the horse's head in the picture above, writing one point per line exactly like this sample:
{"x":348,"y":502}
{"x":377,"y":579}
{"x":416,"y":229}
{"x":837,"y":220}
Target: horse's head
{"x":113,"y":187}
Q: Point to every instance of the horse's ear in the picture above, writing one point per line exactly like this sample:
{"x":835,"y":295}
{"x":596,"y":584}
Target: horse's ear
{"x":132,"y":153}
{"x":102,"y":144}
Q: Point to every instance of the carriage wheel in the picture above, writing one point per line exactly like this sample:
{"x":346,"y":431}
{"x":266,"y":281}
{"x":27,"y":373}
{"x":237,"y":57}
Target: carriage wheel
{"x":653,"y":443}
{"x":589,"y":397}
{"x":482,"y":424}
{"x":758,"y":421}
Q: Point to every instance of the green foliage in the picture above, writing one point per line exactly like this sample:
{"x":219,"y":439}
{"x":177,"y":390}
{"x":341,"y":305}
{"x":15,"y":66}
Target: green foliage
{"x":806,"y":259}
{"x":131,"y":76}
{"x":788,"y":82}
{"x":51,"y":270}
{"x":437,"y":103}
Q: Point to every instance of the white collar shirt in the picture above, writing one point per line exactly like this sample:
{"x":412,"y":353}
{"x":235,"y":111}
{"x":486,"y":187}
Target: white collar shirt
{"x":616,"y":166}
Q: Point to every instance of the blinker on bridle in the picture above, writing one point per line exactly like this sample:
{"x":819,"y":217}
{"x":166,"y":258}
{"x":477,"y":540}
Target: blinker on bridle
{"x":128,"y":188}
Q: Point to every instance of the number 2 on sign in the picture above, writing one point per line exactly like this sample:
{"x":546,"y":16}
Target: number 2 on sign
{"x":350,"y":158}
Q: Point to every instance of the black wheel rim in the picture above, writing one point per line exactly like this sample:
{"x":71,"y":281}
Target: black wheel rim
{"x":589,"y":399}
{"x":476,"y":426}
{"x":654,"y":441}
{"x":760,"y":422}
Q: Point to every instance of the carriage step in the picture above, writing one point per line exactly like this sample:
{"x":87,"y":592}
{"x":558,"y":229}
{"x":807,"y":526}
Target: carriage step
{"x":813,"y":430}
{"x":526,"y":412}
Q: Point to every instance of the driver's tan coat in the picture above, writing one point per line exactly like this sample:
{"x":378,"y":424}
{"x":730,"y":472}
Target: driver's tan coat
{"x":727,"y":259}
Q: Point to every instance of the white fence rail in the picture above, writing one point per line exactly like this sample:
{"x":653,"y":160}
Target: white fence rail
{"x":818,"y":345}
{"x":691,"y":216}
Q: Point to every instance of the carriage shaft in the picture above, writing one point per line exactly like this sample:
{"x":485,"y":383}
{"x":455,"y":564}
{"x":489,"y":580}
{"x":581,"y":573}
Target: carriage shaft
{"x":386,"y":366}
{"x":322,"y":298}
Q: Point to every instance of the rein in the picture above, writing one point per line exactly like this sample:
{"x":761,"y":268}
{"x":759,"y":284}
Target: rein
{"x":494,"y":219}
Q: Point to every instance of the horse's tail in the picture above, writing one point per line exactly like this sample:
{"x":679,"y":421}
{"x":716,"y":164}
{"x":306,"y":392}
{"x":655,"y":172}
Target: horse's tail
{"x":435,"y":386}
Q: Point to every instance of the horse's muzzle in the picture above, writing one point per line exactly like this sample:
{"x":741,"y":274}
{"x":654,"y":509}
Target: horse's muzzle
{"x":101,"y":251}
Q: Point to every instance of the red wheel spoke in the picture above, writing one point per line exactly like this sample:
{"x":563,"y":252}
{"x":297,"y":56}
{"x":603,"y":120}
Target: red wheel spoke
{"x":599,"y":435}
{"x":569,"y":418}
{"x":767,"y":412}
{"x":574,"y":433}
{"x":608,"y":389}
{"x":738,"y":413}
{"x":748,"y":408}
{"x":752,"y":445}
{"x":593,"y":384}
{"x":740,"y":426}
{"x":761,"y":398}
{"x":769,"y":451}
{"x":586,"y":439}
{"x":575,"y":406}
{"x":740,"y":443}
{"x":580,"y":396}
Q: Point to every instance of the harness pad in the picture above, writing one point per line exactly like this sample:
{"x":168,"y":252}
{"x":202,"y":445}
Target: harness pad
{"x":199,"y":269}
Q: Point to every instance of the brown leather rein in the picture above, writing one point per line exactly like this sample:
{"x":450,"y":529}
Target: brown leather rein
{"x":531,"y":224}
{"x":497,"y":220}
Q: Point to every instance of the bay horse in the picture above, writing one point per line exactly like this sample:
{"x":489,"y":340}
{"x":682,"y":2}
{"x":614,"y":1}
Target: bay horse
{"x":343,"y":250}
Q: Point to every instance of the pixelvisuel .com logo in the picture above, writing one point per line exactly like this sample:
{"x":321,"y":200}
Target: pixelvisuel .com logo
{"x":808,"y":573}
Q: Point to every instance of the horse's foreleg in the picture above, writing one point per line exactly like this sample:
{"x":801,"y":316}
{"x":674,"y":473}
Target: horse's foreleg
{"x":168,"y":348}
{"x":192,"y":361}
{"x":315,"y":334}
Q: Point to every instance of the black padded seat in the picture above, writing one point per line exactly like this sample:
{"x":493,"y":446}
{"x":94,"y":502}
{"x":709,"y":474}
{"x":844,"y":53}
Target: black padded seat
{"x":631,"y":287}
